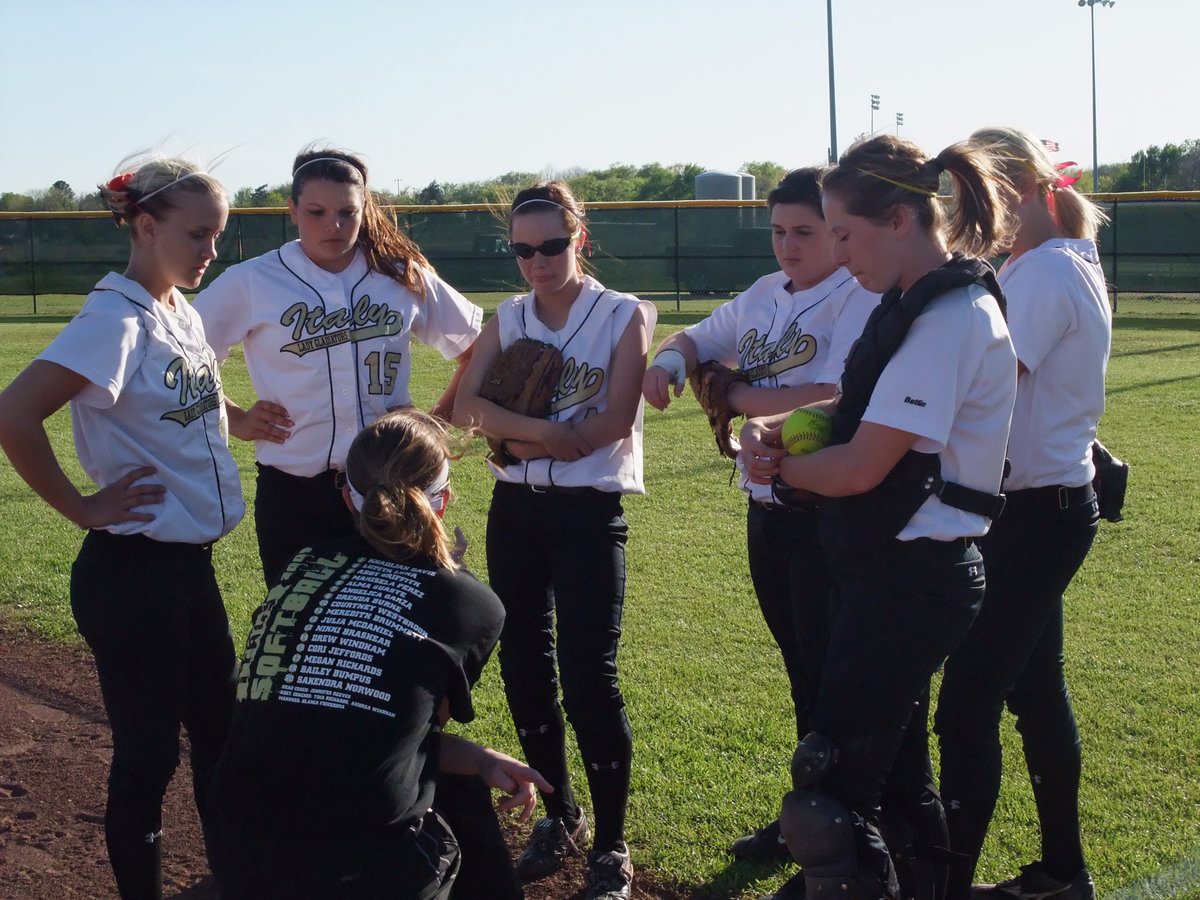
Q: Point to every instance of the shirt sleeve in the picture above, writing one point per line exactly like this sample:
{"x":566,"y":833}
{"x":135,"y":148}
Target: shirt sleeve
{"x":919,"y":389}
{"x":716,"y":337}
{"x":447,"y":321}
{"x":105,"y":343}
{"x":226,"y":309}
{"x":480,"y":616}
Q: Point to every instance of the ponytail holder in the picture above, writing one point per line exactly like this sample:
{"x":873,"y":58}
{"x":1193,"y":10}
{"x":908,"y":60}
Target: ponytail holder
{"x":121,"y":182}
{"x":1069,"y":173}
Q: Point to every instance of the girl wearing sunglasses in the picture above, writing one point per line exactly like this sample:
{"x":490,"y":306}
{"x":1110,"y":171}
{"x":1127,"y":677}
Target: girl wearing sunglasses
{"x":326,"y":322}
{"x":556,"y":529}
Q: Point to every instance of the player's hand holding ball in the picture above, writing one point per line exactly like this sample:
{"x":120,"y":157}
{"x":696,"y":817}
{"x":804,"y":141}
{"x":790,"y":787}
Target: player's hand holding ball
{"x":762,"y":448}
{"x":805,"y":430}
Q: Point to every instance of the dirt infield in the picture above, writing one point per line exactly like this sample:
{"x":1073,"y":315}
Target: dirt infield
{"x":55,"y":748}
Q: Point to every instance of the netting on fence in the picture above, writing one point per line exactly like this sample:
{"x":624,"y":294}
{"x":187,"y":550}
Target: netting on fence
{"x":1151,"y":245}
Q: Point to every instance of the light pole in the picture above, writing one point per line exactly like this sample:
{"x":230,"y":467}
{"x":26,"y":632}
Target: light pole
{"x":874,"y":107}
{"x":833,"y":155}
{"x":899,"y":122}
{"x":1091,"y":5}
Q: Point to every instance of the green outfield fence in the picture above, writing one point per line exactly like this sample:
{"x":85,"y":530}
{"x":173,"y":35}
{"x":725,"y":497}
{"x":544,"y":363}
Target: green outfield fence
{"x":688,"y":247}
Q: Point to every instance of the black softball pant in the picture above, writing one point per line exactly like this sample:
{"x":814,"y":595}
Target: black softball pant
{"x":152,"y":614}
{"x":291,"y":512}
{"x":792,"y":582}
{"x":898,"y":611}
{"x":267,"y":860}
{"x":557,"y":558}
{"x":1014,"y":655}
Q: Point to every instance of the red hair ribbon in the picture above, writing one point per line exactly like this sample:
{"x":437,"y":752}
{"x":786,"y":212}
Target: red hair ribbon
{"x":121,"y":182}
{"x":1069,"y":173}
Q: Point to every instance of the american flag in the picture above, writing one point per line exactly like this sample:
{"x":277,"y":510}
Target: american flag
{"x":1051,"y":146}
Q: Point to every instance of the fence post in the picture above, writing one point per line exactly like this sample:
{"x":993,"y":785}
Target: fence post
{"x":32,"y":267}
{"x":676,"y":251}
{"x":1116,"y":256}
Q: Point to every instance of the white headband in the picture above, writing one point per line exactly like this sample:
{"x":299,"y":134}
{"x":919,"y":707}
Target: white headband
{"x":573,"y":215}
{"x":435,"y":493}
{"x":145,"y":197}
{"x":318,"y":159}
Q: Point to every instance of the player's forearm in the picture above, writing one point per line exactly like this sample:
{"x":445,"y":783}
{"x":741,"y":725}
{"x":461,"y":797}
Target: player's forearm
{"x":763,"y":401}
{"x":460,"y":756}
{"x":444,"y":407}
{"x":29,"y":450}
{"x":682,"y":344}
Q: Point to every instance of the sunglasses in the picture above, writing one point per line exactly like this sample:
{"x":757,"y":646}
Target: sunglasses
{"x":552,"y":247}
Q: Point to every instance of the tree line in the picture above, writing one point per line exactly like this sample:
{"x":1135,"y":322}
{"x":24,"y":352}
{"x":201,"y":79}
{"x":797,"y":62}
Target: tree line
{"x":619,"y":183}
{"x":1171,"y":167}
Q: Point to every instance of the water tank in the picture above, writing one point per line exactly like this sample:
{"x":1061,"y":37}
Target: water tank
{"x":747,"y":185}
{"x":719,"y":186}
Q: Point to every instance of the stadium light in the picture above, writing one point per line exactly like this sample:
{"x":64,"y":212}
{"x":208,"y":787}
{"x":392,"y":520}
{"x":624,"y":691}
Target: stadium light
{"x":833,"y":154}
{"x":899,"y":122}
{"x":874,"y":106}
{"x":1091,"y":5}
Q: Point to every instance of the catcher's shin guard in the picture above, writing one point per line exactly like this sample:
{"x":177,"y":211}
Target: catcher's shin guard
{"x":824,"y":837}
{"x":814,"y":757}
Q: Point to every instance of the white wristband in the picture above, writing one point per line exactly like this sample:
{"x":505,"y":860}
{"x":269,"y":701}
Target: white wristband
{"x":674,"y":363}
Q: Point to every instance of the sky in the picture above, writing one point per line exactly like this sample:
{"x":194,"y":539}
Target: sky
{"x":467,"y":90}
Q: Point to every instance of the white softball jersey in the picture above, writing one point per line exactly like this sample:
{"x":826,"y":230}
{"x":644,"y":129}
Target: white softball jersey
{"x":785,"y":339}
{"x":1061,"y":326}
{"x":594,"y":327}
{"x":154,"y":398}
{"x":332,"y":349}
{"x":952,"y":383}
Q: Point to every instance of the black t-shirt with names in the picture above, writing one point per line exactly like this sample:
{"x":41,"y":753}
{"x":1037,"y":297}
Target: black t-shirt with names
{"x":347,"y":662}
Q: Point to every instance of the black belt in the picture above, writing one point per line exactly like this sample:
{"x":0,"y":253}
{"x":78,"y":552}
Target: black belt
{"x":551,"y":488}
{"x":803,"y":507}
{"x":1059,"y":495}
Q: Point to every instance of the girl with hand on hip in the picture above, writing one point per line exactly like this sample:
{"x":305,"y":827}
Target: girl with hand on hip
{"x":908,"y":483}
{"x":326,"y":323}
{"x":556,"y":528}
{"x":1061,"y":326}
{"x":151,"y":431}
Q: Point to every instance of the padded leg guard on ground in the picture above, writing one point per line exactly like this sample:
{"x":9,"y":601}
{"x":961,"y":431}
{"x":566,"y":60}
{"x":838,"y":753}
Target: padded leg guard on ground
{"x":823,"y":837}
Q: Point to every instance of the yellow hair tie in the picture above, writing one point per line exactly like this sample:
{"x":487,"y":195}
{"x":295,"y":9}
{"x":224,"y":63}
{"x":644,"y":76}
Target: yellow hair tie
{"x":900,"y":184}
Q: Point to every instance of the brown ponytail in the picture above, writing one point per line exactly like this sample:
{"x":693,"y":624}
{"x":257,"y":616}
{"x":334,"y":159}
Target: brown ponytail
{"x":877,"y":174}
{"x":390,"y":463}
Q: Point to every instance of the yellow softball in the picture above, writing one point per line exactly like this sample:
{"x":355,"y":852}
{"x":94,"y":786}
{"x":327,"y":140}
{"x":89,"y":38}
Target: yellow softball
{"x":805,"y":430}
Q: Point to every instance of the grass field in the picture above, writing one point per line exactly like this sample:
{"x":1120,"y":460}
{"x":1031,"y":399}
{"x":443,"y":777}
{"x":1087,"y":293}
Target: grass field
{"x":706,"y":691}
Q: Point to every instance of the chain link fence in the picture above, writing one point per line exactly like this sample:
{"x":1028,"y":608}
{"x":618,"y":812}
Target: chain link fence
{"x":687,"y":248}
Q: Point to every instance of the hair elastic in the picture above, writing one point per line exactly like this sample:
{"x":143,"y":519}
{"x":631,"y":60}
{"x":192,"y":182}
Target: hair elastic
{"x":899,"y":184}
{"x":318,"y":159}
{"x":142,"y":199}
